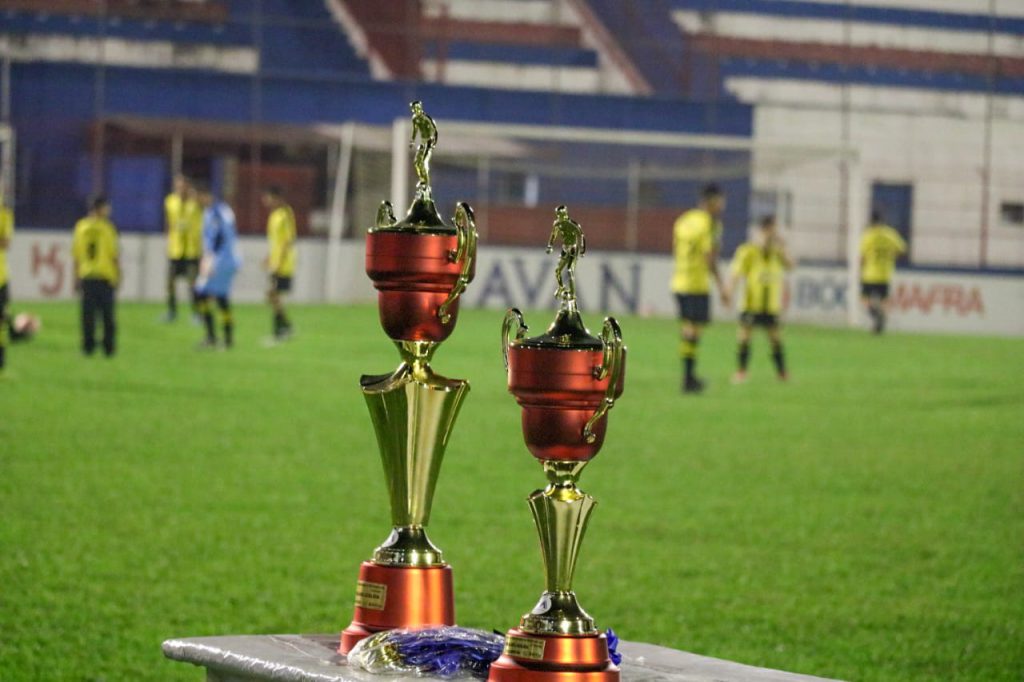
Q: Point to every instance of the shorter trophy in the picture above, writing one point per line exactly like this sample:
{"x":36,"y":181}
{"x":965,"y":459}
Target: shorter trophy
{"x":420,"y":266}
{"x":565,"y":380}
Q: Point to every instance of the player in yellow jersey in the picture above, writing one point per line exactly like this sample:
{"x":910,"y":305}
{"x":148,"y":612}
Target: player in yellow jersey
{"x":184,"y":223}
{"x":761,"y":264}
{"x":97,"y":273}
{"x":696,"y":240}
{"x":880,"y":246}
{"x":280,"y":261}
{"x":6,"y":233}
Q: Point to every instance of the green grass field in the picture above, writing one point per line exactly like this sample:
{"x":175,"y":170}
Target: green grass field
{"x":865,"y":521}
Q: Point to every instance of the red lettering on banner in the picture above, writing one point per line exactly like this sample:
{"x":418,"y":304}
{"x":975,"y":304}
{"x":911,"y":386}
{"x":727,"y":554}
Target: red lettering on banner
{"x":974,"y":303}
{"x":49,"y":261}
{"x":948,"y":298}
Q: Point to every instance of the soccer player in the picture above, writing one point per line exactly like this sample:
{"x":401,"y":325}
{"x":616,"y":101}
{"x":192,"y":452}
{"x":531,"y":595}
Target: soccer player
{"x":696,"y":242}
{"x":184,"y":218}
{"x":879,"y":248}
{"x":97,"y":273}
{"x":218,"y":266}
{"x":280,"y":261}
{"x":6,"y":232}
{"x":762,"y":264}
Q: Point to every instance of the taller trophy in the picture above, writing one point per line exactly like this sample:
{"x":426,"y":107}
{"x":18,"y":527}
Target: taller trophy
{"x":565,"y":380}
{"x":420,"y":265}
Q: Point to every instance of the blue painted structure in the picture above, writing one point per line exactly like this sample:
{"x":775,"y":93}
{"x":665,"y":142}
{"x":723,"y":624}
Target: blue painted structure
{"x":53,"y":106}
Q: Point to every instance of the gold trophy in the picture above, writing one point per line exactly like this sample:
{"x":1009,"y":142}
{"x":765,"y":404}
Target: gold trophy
{"x":420,"y":266}
{"x":565,"y":380}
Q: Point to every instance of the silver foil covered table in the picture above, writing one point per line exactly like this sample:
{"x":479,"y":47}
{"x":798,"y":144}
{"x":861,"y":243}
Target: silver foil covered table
{"x":312,"y":658}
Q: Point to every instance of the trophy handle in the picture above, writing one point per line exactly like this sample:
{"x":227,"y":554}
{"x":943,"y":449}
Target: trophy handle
{"x":512,"y":318}
{"x":612,"y":364}
{"x":464,"y":252}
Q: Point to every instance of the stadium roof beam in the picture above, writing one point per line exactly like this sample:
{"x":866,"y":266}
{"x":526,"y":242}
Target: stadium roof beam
{"x":622,"y":136}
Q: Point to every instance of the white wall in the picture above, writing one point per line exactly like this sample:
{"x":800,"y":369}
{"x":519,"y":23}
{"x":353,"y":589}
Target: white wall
{"x":575,"y":79}
{"x":41,"y":268}
{"x":606,"y":77}
{"x":934,"y":141}
{"x":608,"y":282}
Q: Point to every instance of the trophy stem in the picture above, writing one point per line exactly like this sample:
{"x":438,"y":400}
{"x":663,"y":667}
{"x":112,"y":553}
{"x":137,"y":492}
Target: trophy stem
{"x":413,"y":412}
{"x":561,"y":512}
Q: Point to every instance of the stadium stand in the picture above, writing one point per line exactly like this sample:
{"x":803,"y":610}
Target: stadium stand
{"x":177,"y":10}
{"x":313,"y":67}
{"x":887,"y":46}
{"x":532,"y":44}
{"x":304,"y":41}
{"x":779,"y":72}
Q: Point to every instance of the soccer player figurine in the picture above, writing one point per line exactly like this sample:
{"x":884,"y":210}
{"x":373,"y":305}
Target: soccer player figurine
{"x":574,"y":245}
{"x":280,"y":261}
{"x":423,"y":126}
{"x":218,"y":266}
{"x":184,"y":218}
{"x":97,"y":273}
{"x":696,"y":241}
{"x":879,"y":248}
{"x":762,"y":264}
{"x":6,"y":232}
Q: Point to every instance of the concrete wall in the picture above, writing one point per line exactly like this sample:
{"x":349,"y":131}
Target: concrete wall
{"x":935,"y":141}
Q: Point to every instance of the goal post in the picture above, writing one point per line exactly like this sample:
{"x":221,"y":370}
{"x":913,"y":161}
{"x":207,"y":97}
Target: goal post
{"x":7,"y":179}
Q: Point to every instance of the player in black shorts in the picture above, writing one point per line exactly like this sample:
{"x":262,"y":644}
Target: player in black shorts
{"x":880,"y":247}
{"x":761,"y":265}
{"x":280,"y":284}
{"x":280,"y":261}
{"x":184,"y":220}
{"x":696,"y":238}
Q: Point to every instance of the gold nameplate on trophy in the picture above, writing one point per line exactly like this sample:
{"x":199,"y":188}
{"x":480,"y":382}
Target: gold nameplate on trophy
{"x":525,"y":647}
{"x":371,"y":595}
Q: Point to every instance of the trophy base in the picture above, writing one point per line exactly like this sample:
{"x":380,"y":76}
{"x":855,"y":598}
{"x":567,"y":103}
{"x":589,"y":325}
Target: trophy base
{"x":554,"y":658}
{"x":389,"y":597}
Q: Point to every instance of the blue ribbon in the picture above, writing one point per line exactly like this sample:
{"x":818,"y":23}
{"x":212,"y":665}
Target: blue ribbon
{"x":446,"y":651}
{"x":613,"y":646}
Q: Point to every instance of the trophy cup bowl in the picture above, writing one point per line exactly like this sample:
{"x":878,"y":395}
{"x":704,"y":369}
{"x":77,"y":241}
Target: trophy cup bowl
{"x":420,"y":266}
{"x":559,"y":393}
{"x":414,"y":273}
{"x":565,"y":381}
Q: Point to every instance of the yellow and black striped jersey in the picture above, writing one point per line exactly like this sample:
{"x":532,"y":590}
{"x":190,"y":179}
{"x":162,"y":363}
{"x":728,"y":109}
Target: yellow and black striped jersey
{"x":764,"y":271}
{"x":95,"y":249}
{"x":879,"y":248}
{"x":281,"y":241}
{"x":6,"y":232}
{"x":695,"y":236}
{"x":184,"y":218}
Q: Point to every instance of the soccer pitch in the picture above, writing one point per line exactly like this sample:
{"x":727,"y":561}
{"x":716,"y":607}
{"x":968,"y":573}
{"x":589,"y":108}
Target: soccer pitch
{"x":864,"y":521}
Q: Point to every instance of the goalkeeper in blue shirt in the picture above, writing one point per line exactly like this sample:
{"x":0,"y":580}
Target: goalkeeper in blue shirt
{"x":217,"y":269}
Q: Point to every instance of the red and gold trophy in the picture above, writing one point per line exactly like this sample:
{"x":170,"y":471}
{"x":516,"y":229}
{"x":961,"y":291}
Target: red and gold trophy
{"x":565,"y":380}
{"x":419,"y":266}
